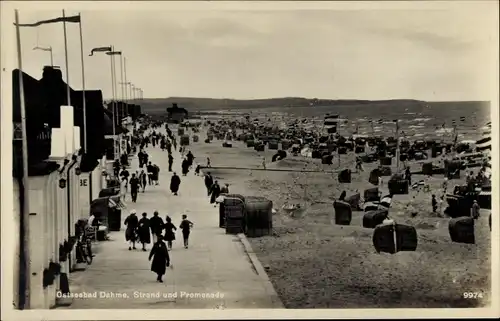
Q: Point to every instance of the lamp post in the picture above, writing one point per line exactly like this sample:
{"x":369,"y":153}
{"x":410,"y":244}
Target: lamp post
{"x":49,"y":49}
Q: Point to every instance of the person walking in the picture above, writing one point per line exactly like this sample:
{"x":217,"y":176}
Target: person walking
{"x":134,"y":187}
{"x":175,"y":182}
{"x":161,"y":259}
{"x":185,"y":167}
{"x":140,"y":156}
{"x":190,"y":158}
{"x":156,"y":226}
{"x":156,"y":174}
{"x":170,"y":161}
{"x":143,"y":231}
{"x":209,"y":181}
{"x":214,"y":193}
{"x":475,"y":210}
{"x":143,"y":180}
{"x":150,"y":169}
{"x":186,"y":226}
{"x":123,"y":188}
{"x":434,"y":204}
{"x":132,"y":223}
{"x":169,"y":231}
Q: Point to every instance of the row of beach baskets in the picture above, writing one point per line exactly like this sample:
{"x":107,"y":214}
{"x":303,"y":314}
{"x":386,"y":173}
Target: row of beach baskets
{"x":251,"y":215}
{"x":461,"y":229}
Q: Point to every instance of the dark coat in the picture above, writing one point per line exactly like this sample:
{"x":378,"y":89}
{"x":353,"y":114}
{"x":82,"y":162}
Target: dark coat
{"x":143,"y":179}
{"x":156,"y":171}
{"x":185,"y":166}
{"x":160,"y":256}
{"x":134,"y":184}
{"x":185,"y":226}
{"x":190,"y":158}
{"x":132,"y":223}
{"x":156,"y":225}
{"x":143,"y":230}
{"x":169,"y":231}
{"x":215,"y":192}
{"x":209,"y":181}
{"x":175,"y":182}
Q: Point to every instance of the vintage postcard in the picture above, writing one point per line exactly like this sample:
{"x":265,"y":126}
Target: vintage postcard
{"x":221,"y":159}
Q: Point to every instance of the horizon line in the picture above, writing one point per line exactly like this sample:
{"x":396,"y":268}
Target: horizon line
{"x":306,"y":98}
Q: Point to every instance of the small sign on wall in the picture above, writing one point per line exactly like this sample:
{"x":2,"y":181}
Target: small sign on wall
{"x":84,"y":182}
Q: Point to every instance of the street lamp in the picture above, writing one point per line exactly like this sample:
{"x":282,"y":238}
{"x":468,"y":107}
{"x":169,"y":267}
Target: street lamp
{"x":47,"y":49}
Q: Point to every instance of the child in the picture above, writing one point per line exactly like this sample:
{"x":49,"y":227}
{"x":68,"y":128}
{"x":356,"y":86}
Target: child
{"x":169,"y":231}
{"x":185,"y":226}
{"x":434,"y":204}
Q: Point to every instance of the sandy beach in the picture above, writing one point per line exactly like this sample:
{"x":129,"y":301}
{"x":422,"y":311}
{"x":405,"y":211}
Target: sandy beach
{"x":314,"y":263}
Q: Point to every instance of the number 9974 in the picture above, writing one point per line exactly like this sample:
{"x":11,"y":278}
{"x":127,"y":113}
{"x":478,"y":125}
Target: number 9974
{"x":472,"y":295}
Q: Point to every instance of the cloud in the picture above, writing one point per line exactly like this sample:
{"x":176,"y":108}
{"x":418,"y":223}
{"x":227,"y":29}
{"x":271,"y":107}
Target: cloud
{"x":366,"y":54}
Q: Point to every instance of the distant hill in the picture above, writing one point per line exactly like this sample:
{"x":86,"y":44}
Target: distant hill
{"x":159,"y":105}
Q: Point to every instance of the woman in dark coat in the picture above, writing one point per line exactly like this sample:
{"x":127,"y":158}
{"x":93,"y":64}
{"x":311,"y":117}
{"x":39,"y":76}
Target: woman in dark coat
{"x":132,"y":223}
{"x":143,"y":231}
{"x":190,"y":158}
{"x":185,"y":167}
{"x":214,"y":192}
{"x":175,"y":182}
{"x":161,"y":259}
{"x":209,"y":181}
{"x":169,"y":231}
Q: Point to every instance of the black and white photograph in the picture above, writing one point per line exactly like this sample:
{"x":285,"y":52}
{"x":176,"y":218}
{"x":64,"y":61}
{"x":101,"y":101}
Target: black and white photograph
{"x":238,"y":156}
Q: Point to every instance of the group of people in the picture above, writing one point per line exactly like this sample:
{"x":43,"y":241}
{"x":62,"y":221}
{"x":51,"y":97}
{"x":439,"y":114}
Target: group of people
{"x":138,"y":180}
{"x":140,"y":231}
{"x":214,"y":190}
{"x":155,"y":230}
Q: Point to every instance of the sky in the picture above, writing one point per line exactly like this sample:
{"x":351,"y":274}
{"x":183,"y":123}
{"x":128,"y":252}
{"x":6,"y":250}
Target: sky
{"x":426,"y":51}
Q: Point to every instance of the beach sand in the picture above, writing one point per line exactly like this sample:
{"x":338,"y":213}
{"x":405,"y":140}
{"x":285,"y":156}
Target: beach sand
{"x":314,"y":263}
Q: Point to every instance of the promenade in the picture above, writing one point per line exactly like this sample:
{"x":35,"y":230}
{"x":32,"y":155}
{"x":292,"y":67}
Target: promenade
{"x":215,"y":264}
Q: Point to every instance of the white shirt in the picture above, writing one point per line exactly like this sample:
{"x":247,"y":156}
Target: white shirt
{"x":91,"y":219}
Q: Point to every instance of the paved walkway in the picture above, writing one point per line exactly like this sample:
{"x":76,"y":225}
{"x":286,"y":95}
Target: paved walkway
{"x":215,"y":263}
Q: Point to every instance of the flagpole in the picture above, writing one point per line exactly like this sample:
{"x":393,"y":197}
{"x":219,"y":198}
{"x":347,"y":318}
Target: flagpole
{"x":121,"y":78}
{"x":25,"y":227}
{"x":66,"y":58}
{"x":125,"y":75}
{"x":83,"y":89}
{"x":84,"y":103}
{"x":113,"y":104}
{"x":113,"y":62}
